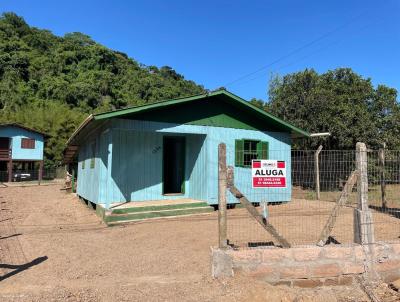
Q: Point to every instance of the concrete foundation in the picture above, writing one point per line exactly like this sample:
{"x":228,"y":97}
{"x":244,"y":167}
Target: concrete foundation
{"x":310,"y":266}
{"x":222,"y":265}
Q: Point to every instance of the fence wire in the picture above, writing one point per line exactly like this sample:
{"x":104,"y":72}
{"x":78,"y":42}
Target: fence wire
{"x":19,"y":175}
{"x":296,"y":212}
{"x":384,"y":193}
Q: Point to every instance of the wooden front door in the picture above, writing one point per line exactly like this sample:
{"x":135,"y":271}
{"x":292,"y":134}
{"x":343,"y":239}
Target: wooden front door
{"x":174,"y":165}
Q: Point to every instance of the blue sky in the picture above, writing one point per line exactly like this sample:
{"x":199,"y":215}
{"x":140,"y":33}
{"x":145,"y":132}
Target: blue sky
{"x":217,"y":42}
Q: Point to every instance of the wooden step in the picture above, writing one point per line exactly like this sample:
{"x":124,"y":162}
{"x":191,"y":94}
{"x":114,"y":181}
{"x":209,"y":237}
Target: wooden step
{"x":144,"y":208}
{"x":128,"y":217}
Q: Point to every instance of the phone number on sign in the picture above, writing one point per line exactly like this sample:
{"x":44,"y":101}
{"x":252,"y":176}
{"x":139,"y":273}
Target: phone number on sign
{"x":269,"y":182}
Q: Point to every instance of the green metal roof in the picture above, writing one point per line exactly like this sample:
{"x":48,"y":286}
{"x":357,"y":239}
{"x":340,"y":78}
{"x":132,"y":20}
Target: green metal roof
{"x":206,"y":109}
{"x":230,"y":97}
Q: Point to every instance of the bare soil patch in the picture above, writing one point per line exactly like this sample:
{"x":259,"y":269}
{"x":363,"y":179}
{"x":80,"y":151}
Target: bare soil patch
{"x":80,"y":259}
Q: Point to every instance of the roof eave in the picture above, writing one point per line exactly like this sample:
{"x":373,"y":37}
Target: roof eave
{"x":81,"y":126}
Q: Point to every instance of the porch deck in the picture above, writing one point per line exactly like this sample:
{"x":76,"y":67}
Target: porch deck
{"x":5,"y":154}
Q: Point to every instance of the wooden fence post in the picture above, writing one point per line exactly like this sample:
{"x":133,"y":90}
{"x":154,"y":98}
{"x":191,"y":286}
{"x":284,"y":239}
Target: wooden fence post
{"x":381,"y":155}
{"x":230,"y":181}
{"x":10,"y":170}
{"x":316,"y":166}
{"x":222,"y":226}
{"x":363,"y":226}
{"x":347,"y":189}
{"x":40,"y":172}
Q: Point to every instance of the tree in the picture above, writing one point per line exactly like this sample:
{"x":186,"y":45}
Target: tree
{"x":52,"y":83}
{"x":258,"y":103}
{"x":340,"y":102}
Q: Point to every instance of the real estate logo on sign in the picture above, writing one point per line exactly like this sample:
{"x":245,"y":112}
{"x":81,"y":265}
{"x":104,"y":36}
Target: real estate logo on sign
{"x":268,"y":173}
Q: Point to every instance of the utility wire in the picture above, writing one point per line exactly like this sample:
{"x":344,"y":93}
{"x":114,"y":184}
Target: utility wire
{"x":303,"y":57}
{"x":297,"y":49}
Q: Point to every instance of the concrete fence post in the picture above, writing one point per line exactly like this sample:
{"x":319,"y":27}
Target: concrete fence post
{"x":222,"y":223}
{"x":363,"y":226}
{"x":316,"y":171}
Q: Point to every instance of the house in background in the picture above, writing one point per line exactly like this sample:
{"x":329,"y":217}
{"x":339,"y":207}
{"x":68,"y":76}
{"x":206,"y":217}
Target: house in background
{"x":21,"y":150}
{"x":169,"y":150}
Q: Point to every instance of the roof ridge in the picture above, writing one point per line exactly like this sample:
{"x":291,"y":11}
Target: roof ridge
{"x":161,"y":103}
{"x":156,"y":102}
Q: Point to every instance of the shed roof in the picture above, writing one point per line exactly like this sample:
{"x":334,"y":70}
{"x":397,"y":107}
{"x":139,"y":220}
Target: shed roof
{"x":23,"y":127}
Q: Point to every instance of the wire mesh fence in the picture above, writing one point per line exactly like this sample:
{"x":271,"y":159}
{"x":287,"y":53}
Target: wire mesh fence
{"x":24,"y":175}
{"x":315,"y":187}
{"x":384,"y":193}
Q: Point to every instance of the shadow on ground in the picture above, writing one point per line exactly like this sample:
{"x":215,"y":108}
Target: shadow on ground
{"x":20,"y":268}
{"x":395,"y":212}
{"x":13,"y":235}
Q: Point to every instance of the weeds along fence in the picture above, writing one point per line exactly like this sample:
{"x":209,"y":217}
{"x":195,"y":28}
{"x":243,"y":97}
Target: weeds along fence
{"x":319,"y":199}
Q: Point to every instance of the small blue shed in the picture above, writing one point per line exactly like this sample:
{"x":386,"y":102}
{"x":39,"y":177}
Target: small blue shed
{"x":21,"y":148}
{"x":168,"y":150}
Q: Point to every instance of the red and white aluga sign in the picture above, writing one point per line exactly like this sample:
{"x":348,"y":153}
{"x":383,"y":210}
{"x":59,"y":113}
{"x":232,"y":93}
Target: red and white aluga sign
{"x":267,"y":173}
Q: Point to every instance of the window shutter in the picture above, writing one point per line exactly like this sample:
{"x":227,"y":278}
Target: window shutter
{"x":262,"y":150}
{"x":27,"y":143}
{"x":239,"y":146}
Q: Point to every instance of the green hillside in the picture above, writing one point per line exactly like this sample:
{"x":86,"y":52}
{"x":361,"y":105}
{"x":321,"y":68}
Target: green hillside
{"x":51,"y":83}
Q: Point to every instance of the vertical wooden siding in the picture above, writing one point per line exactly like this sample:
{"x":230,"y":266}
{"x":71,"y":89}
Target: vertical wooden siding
{"x":89,"y":178}
{"x":137,"y":166}
{"x":133,"y":169}
{"x":197,"y":152}
{"x":279,"y":149}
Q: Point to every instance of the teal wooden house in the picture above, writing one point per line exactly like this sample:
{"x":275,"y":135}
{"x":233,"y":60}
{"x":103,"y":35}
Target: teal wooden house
{"x":21,"y":150}
{"x":169,"y":150}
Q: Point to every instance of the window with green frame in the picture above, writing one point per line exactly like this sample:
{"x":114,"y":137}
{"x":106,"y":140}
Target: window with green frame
{"x":92,"y":155}
{"x":246,"y":150}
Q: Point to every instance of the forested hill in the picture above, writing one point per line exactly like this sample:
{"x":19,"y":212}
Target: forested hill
{"x":51,"y":83}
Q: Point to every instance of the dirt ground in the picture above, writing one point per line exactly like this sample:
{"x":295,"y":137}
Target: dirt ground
{"x":53,"y":248}
{"x":301,"y":221}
